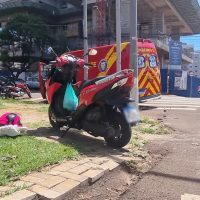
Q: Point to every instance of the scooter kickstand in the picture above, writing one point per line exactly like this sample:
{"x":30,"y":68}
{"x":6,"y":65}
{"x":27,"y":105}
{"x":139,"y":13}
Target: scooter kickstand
{"x":64,"y":132}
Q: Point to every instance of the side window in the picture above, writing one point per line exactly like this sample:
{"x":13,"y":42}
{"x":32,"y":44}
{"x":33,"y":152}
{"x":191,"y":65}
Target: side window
{"x":141,"y":61}
{"x":152,"y":61}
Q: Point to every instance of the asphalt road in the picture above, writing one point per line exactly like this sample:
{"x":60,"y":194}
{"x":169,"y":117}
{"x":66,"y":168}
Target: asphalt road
{"x":179,"y":172}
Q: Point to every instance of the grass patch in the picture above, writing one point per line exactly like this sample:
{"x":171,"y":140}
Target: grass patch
{"x":136,"y":144}
{"x":2,"y":106}
{"x":21,"y":155}
{"x":12,"y":190}
{"x":43,"y":108}
{"x":146,"y":126}
{"x":147,"y":120}
{"x":151,"y":126}
{"x":19,"y":101}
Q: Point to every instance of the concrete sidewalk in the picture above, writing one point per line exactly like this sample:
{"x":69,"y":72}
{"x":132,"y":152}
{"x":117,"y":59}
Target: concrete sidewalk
{"x":55,"y":182}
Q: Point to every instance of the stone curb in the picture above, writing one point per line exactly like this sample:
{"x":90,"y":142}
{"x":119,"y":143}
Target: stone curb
{"x":190,"y":197}
{"x":55,"y":183}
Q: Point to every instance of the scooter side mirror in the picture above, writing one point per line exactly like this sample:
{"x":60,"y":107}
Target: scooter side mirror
{"x":50,"y":50}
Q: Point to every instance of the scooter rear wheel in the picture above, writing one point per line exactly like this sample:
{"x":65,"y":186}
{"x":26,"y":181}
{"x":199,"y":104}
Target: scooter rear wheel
{"x":52,"y":119}
{"x":122,"y":129}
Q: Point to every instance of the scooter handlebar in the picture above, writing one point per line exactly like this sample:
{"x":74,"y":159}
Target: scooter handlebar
{"x":89,"y":65}
{"x":53,"y":62}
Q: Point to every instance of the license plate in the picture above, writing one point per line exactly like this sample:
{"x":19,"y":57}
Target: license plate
{"x":131,"y":114}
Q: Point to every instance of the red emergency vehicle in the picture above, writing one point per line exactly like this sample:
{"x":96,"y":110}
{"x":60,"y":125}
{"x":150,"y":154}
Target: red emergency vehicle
{"x":105,"y":64}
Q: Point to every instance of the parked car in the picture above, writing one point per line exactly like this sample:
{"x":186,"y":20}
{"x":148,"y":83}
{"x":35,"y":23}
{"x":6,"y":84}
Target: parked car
{"x":33,"y":82}
{"x":5,"y":80}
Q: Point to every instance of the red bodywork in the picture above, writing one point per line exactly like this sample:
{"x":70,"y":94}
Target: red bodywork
{"x":24,"y":88}
{"x":86,"y":95}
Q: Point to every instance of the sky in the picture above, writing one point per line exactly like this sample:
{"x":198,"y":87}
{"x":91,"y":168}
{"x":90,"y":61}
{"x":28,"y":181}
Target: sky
{"x":194,"y":40}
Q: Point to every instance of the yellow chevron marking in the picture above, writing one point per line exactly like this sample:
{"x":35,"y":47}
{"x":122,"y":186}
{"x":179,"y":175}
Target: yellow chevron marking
{"x":112,"y":59}
{"x":141,"y":95}
{"x":141,"y":73}
{"x":151,"y":88}
{"x":149,"y":85}
{"x":155,"y":77}
{"x":144,"y":80}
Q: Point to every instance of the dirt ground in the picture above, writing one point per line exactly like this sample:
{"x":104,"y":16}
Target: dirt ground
{"x":32,"y":115}
{"x":112,"y":186}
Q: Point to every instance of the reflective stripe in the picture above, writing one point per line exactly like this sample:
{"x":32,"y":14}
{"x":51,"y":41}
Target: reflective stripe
{"x":111,"y":56}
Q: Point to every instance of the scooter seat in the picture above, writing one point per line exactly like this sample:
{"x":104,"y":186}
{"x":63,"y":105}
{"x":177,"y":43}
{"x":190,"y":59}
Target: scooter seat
{"x":87,"y":83}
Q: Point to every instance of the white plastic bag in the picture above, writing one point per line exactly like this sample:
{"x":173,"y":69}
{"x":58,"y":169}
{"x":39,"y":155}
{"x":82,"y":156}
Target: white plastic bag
{"x":12,"y":130}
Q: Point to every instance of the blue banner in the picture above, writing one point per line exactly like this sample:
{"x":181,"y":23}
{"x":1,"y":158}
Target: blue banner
{"x":175,"y":53}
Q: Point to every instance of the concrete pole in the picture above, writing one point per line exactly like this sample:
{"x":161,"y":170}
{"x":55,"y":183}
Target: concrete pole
{"x":133,"y":50}
{"x":118,"y":33}
{"x":85,"y":37}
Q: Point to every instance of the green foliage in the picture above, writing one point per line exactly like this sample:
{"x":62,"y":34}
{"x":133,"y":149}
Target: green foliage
{"x":21,"y":155}
{"x":151,"y":126}
{"x":27,"y":29}
{"x":22,"y":40}
{"x":147,"y":120}
{"x":146,"y":127}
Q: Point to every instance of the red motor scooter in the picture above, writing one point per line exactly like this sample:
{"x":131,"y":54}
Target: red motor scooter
{"x":19,"y":89}
{"x":11,"y":88}
{"x":104,"y":103}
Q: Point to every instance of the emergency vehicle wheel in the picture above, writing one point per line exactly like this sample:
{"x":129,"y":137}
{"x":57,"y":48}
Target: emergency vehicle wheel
{"x":122,"y":130}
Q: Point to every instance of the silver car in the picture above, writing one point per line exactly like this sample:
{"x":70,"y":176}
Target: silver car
{"x":33,"y":82}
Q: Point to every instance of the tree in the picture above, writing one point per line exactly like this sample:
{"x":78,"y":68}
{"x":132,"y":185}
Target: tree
{"x":22,"y":42}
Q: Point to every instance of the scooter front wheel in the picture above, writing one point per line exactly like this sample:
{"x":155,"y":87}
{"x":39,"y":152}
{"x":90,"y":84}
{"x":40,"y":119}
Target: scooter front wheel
{"x":52,"y":119}
{"x":122,"y":130}
{"x":29,"y":94}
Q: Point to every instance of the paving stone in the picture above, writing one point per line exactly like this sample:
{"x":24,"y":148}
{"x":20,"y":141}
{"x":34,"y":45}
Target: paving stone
{"x":110,"y":165}
{"x":50,"y":182}
{"x":66,"y":186}
{"x":54,"y":172}
{"x":65,"y":166}
{"x":41,"y":175}
{"x":79,"y":169}
{"x":21,"y":184}
{"x":93,"y":175}
{"x":21,"y":195}
{"x":100,"y":160}
{"x":82,"y":161}
{"x":4,"y":188}
{"x":190,"y":197}
{"x":93,"y":165}
{"x":80,"y":178}
{"x":32,"y":179}
{"x":120,"y":158}
{"x":46,"y":192}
